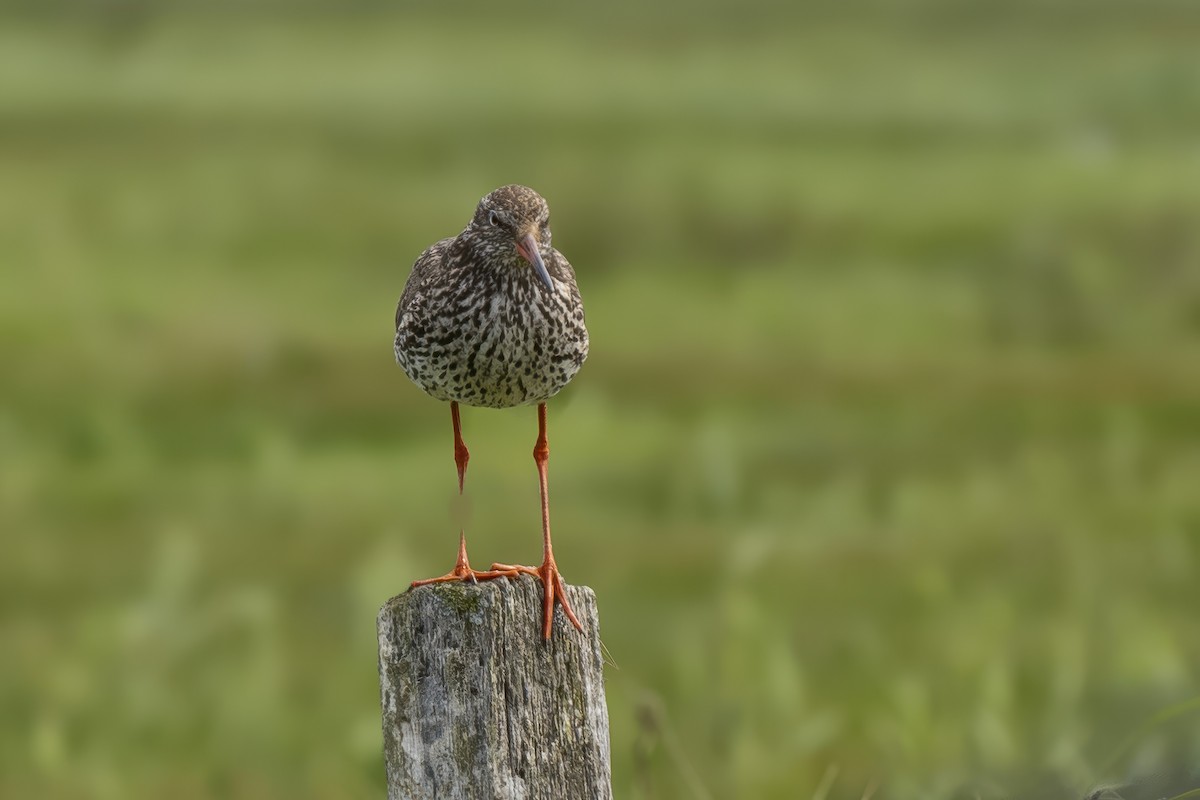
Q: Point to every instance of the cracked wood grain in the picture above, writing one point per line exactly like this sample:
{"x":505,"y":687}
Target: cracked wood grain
{"x":477,"y":706}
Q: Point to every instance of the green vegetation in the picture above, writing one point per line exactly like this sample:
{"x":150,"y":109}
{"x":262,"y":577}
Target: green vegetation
{"x":884,"y":467}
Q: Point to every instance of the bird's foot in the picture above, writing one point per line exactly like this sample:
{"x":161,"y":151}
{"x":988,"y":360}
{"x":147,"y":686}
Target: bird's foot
{"x":466,"y":575}
{"x":553,"y":590}
{"x":462,"y":571}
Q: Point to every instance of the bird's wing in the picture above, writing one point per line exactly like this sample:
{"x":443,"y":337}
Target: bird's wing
{"x":423,"y":271}
{"x":560,"y":269}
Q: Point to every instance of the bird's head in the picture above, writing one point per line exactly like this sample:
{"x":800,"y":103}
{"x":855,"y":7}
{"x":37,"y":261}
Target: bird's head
{"x":513,"y":223}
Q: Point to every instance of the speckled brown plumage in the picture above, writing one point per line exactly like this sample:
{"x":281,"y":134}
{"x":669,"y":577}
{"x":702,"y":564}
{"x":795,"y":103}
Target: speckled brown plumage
{"x":492,"y":317}
{"x":475,"y":324}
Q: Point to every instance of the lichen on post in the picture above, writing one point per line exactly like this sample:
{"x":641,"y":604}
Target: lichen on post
{"x":476,"y":704}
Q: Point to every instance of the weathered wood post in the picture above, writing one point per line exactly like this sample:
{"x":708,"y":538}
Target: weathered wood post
{"x":476,"y":705}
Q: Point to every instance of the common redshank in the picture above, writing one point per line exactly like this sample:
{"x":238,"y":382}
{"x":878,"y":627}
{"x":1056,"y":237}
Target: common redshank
{"x":493,"y":317}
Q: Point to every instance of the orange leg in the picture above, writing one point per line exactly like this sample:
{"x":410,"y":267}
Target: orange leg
{"x":462,"y":568}
{"x":552,"y":582}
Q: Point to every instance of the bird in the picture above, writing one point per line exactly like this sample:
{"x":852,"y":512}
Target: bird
{"x":493,"y":318}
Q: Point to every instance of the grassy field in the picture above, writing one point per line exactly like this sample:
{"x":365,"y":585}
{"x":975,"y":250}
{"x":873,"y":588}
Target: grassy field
{"x":884,"y":466}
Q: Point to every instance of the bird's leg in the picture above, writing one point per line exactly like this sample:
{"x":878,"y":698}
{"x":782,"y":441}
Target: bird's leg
{"x":552,"y":582}
{"x":461,"y":454}
{"x":462,"y":568}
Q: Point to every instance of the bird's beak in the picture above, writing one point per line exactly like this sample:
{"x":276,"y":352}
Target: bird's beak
{"x":527,"y":247}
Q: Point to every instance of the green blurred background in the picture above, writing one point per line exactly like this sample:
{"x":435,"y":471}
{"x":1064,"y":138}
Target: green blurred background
{"x":884,"y":466}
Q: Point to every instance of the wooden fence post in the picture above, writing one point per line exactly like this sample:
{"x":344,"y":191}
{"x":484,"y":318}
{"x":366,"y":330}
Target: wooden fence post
{"x":477,"y":706}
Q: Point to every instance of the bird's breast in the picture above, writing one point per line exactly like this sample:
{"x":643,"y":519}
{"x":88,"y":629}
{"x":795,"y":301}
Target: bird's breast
{"x":505,"y":347}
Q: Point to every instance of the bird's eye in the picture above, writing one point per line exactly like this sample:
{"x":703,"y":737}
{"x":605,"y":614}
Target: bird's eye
{"x":494,"y":218}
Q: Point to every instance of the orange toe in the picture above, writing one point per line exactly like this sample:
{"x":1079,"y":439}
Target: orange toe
{"x":553,"y":591}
